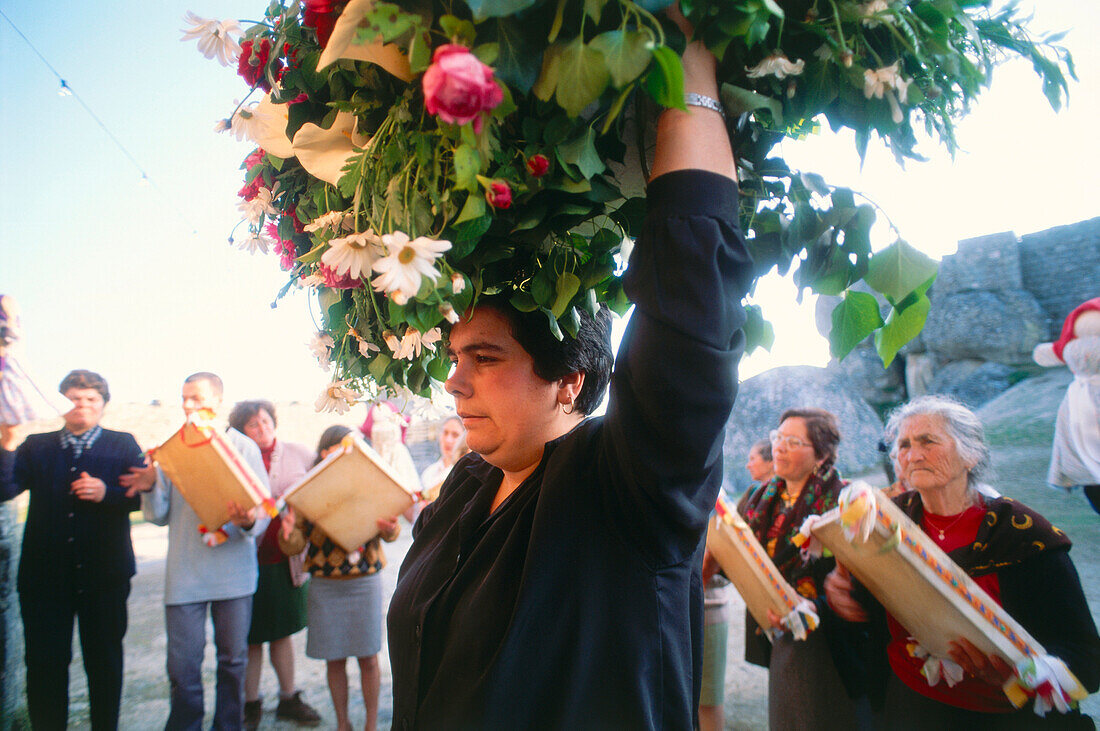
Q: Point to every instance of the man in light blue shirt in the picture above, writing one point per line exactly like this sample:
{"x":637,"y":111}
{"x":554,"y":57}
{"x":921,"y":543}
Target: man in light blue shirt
{"x":200,"y":577}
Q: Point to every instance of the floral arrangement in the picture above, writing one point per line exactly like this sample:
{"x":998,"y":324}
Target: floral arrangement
{"x":412,"y":157}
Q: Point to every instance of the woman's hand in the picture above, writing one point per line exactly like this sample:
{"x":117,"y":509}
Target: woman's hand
{"x":710,"y":566}
{"x":238,"y":516}
{"x":991,"y":669}
{"x":389,"y":528}
{"x":838,"y":592}
{"x":288,"y":520}
{"x":776,"y":620}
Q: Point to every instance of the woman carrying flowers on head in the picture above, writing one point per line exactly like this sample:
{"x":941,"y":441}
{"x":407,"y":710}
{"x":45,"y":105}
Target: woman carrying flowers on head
{"x":344,"y":607}
{"x":555,"y":582}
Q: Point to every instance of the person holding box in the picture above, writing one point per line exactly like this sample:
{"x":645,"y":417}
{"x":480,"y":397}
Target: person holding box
{"x":201,"y":578}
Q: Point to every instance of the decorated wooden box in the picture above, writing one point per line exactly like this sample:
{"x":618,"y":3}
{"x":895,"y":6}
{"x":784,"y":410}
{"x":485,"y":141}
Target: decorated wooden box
{"x":932,"y":597}
{"x":348,"y":491}
{"x":209,"y":473}
{"x":745,"y":562}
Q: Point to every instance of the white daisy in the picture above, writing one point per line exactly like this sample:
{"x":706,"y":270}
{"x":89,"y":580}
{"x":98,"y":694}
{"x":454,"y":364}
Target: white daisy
{"x":214,"y":37}
{"x":448,"y":311}
{"x":458,"y":283}
{"x":245,"y":123}
{"x":353,"y":254}
{"x":777,"y":65}
{"x":332,"y":219}
{"x":337,"y":398}
{"x":407,"y":262}
{"x":414,"y":342}
{"x":321,"y":345}
{"x":257,"y":242}
{"x":261,"y":205}
{"x":366,"y":348}
{"x":222,"y":125}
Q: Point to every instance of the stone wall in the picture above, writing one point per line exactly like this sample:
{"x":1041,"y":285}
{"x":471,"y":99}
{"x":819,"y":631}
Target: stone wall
{"x":1061,"y":268}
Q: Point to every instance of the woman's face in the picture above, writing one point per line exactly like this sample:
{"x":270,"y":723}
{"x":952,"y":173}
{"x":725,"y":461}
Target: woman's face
{"x":928,"y":457}
{"x":759,"y":468}
{"x":330,"y":450}
{"x":793,"y":452}
{"x":261,"y":429}
{"x":508,"y":411}
{"x":449,"y":435}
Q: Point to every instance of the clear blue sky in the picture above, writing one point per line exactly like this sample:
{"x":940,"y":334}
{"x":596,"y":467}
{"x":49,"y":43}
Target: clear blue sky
{"x":138,"y":282}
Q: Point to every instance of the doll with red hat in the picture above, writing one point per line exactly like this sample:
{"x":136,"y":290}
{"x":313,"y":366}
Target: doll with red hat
{"x":1075,"y":457}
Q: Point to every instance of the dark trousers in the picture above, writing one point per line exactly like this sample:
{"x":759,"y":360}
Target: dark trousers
{"x":48,"y":636}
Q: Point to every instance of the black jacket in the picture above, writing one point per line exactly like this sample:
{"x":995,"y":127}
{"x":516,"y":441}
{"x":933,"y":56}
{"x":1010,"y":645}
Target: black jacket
{"x":578,"y":604}
{"x":67,"y":542}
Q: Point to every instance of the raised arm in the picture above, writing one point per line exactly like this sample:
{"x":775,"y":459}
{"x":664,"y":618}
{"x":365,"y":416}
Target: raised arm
{"x":695,"y":139}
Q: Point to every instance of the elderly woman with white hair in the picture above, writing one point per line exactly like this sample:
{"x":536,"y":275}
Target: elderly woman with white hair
{"x":1011,"y":551}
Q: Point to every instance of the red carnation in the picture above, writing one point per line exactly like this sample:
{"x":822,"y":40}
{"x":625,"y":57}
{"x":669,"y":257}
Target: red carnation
{"x":332,"y":281}
{"x":458,"y":87}
{"x":537,"y":165}
{"x":499,"y":195}
{"x":251,"y":190}
{"x":254,"y":159}
{"x":253,"y":61}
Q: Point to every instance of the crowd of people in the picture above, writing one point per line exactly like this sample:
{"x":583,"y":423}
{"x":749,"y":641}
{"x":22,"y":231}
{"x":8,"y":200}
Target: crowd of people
{"x":557,"y":575}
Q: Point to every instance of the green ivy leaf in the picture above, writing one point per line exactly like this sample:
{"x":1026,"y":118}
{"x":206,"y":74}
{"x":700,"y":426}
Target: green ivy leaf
{"x":627,"y":54}
{"x":582,"y":77}
{"x":594,"y":8}
{"x":572,"y":322}
{"x":378,"y":366}
{"x":555,"y":329}
{"x":565,"y":289}
{"x":901,"y":327}
{"x":759,"y":333}
{"x":542,"y":288}
{"x":517,"y":66}
{"x":738,"y":101}
{"x":549,"y":74}
{"x":467,"y":164}
{"x":665,"y":80}
{"x":524,"y":302}
{"x":899,"y":269}
{"x":439,"y":368}
{"x":581,"y":153}
{"x":855,"y":318}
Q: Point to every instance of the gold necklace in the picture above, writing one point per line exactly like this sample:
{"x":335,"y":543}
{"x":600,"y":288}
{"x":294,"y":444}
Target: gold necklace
{"x":949,"y":526}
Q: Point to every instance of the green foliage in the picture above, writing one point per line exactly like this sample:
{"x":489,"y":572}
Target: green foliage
{"x":572,"y":74}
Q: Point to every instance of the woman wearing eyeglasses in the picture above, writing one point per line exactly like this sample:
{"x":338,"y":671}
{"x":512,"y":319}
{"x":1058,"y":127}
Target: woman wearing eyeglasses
{"x":804,"y":690}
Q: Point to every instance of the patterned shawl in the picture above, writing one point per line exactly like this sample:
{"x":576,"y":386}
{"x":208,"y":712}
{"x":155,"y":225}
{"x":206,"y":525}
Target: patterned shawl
{"x":774,"y":524}
{"x":1010,"y":533}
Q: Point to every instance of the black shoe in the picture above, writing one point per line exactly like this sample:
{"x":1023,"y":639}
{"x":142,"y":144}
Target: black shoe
{"x":253,"y":712}
{"x":297,"y":710}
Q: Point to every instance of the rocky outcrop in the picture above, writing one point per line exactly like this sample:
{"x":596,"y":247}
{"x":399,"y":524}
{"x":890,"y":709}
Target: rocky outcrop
{"x":761,"y":399}
{"x":1000,"y":326}
{"x":974,"y":382}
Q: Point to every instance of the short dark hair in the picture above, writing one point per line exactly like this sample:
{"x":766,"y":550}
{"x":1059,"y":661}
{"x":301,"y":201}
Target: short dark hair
{"x":823,"y":429}
{"x":211,"y":378}
{"x":330,"y":438}
{"x":85,"y":379}
{"x":589,"y":352}
{"x":243,"y":411}
{"x":764,"y":446}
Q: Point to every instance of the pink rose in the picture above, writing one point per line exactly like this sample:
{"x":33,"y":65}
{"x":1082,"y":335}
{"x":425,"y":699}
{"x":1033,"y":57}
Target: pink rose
{"x":458,"y":87}
{"x":499,"y":195}
{"x":537,"y":165}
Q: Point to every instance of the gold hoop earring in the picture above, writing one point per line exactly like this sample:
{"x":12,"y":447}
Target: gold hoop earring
{"x":568,"y":408}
